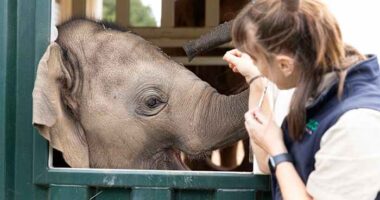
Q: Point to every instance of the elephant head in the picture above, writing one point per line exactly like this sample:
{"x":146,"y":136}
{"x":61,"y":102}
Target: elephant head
{"x":108,"y":98}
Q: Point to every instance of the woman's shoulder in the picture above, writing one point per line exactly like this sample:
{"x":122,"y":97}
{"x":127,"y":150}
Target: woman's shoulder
{"x":357,"y":129}
{"x":352,"y":117}
{"x":349,"y":158}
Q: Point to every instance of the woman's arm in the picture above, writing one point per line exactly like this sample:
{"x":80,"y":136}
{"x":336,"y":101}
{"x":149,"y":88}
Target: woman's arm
{"x":291,"y":185}
{"x":268,"y":136}
{"x":256,"y":90}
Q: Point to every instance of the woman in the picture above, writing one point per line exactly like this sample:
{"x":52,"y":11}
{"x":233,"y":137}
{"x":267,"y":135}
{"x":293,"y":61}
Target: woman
{"x":329,"y":144}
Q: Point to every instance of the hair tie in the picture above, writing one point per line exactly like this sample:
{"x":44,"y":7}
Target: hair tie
{"x":254,"y":78}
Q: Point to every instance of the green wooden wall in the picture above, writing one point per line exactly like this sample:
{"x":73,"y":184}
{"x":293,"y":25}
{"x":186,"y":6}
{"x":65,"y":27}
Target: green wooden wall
{"x":7,"y":96}
{"x":24,"y":172}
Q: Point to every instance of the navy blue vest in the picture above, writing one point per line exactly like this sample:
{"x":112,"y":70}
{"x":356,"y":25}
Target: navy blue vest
{"x":361,"y":90}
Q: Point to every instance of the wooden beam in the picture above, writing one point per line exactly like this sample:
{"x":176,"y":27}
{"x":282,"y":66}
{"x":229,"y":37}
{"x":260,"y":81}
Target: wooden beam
{"x":122,"y":13}
{"x":212,"y":13}
{"x":172,"y":43}
{"x":172,"y":33}
{"x":168,"y":13}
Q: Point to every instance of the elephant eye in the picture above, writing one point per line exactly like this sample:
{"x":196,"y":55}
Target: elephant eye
{"x":153,"y":102}
{"x":150,"y":102}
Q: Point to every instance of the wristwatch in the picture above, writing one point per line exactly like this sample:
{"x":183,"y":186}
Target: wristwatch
{"x":274,"y":161}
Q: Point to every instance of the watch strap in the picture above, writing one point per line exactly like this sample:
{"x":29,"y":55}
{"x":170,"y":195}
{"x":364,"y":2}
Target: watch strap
{"x":274,"y":161}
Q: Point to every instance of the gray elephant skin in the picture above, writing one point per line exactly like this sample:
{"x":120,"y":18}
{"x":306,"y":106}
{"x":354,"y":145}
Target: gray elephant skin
{"x":107,"y":98}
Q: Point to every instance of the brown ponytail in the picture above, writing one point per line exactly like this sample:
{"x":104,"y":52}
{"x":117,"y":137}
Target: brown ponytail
{"x":304,"y":28}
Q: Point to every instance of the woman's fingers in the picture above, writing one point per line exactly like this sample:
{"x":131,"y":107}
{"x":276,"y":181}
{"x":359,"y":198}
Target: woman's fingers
{"x":259,"y":116}
{"x":252,"y":121}
{"x":233,"y":68}
{"x":231,"y":58}
{"x":249,"y":117}
{"x":242,"y":62}
{"x":232,"y":63}
{"x":248,"y":127}
{"x":235,"y":52}
{"x":254,"y":128}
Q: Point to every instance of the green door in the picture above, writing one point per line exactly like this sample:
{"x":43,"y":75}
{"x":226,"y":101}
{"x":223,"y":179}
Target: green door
{"x":24,"y":171}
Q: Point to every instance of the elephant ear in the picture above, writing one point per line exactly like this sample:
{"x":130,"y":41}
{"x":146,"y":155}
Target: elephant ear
{"x":51,"y":116}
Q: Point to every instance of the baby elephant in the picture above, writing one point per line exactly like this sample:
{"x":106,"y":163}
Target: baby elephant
{"x":107,"y":98}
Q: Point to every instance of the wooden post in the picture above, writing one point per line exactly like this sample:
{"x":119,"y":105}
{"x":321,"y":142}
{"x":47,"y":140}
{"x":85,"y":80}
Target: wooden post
{"x":65,"y":11}
{"x":94,"y":9}
{"x":212,"y":13}
{"x":79,"y":8}
{"x":167,"y":10}
{"x":122,"y":12}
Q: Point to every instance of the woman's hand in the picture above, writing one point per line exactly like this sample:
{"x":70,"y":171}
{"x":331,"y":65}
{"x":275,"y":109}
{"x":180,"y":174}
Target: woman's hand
{"x":264,"y":132}
{"x":241,"y":63}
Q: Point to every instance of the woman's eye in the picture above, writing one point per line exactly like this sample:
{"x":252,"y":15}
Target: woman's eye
{"x":152,"y":102}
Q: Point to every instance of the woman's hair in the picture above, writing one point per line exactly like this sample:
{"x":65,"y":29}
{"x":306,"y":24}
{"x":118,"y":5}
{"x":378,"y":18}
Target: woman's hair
{"x":304,"y":29}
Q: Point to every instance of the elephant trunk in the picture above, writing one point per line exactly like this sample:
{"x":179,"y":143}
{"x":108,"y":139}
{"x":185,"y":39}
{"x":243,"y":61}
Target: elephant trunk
{"x":218,"y":36}
{"x":219,"y":121}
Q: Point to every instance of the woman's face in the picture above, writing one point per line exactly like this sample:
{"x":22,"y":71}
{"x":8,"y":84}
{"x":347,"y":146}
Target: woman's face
{"x":279,"y":69}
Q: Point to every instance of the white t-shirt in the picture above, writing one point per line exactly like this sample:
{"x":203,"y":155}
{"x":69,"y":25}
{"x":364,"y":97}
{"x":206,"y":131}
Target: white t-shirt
{"x":348,"y":163}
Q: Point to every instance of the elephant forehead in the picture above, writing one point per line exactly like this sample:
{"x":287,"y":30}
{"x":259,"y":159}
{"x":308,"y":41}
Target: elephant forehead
{"x":112,"y":86}
{"x":120,"y":55}
{"x":108,"y":52}
{"x":122,"y":47}
{"x":106,"y":109}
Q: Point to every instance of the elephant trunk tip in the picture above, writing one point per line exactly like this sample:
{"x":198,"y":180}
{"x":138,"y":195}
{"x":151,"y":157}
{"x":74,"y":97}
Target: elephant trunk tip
{"x":209,"y":41}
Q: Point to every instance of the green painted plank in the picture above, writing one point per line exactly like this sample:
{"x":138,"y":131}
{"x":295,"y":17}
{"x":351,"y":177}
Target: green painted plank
{"x":194,"y":194}
{"x":235,"y":194}
{"x":112,"y":194}
{"x":25,"y":61}
{"x":41,"y":192}
{"x":69,"y":192}
{"x":7,"y":96}
{"x":40,"y":145}
{"x":155,"y":178}
{"x":42,"y":39}
{"x":267,"y":195}
{"x":28,"y":32}
{"x":149,"y":193}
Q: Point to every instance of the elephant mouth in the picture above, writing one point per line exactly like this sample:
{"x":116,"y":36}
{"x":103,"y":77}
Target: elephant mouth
{"x":168,"y":159}
{"x":179,"y":163}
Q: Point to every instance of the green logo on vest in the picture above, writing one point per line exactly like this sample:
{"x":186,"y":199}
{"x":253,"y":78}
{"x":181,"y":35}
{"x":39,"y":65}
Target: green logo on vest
{"x":311,"y":126}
